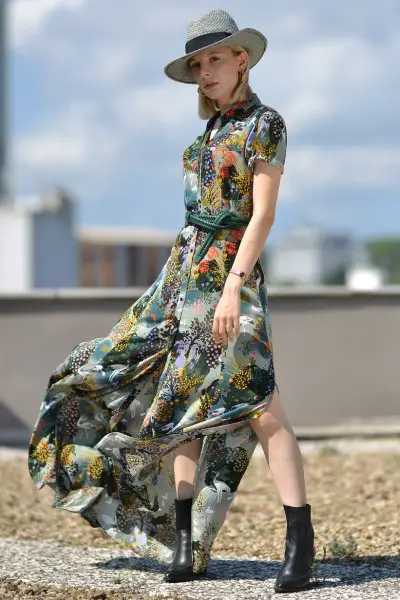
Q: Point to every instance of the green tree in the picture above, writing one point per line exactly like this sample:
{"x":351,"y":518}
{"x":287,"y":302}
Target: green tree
{"x":337,"y":277}
{"x":385,"y":254}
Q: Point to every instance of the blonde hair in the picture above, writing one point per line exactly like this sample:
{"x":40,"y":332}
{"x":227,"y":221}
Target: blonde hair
{"x":207,"y":106}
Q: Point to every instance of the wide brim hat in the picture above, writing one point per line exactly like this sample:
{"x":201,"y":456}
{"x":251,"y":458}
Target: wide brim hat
{"x":216,"y":28}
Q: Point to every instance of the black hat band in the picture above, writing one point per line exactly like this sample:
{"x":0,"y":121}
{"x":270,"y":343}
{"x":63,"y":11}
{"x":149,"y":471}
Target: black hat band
{"x":205,"y":40}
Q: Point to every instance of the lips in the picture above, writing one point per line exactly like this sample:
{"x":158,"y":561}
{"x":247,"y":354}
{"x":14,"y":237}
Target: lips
{"x":210,"y":85}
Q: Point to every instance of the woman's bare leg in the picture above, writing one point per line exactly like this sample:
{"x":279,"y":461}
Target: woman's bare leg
{"x":282,"y":453}
{"x":185,"y":465}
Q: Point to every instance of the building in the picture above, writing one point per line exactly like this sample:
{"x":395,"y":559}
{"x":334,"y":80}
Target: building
{"x":122,"y":256}
{"x":309,"y":256}
{"x":37,"y":242}
{"x":41,"y":247}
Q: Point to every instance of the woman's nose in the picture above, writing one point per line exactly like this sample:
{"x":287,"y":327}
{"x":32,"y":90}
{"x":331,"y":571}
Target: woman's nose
{"x":204,"y":71}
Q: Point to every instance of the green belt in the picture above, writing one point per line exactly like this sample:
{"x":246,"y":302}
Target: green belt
{"x":212,"y":224}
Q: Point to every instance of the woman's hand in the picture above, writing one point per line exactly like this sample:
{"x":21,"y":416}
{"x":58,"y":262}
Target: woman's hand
{"x":226,"y":317}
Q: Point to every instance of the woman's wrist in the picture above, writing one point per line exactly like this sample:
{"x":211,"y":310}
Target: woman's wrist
{"x":234,"y":282}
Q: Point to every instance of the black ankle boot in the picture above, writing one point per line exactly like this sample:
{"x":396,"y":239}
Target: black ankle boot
{"x":181,"y":568}
{"x":299,"y":550}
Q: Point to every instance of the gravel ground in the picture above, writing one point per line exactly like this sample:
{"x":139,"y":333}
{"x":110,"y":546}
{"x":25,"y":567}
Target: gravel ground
{"x":51,"y":570}
{"x":354,"y":498}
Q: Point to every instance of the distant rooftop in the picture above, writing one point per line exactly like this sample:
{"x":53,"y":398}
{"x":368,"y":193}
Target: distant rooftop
{"x":310,"y":234}
{"x":54,"y":200}
{"x":126,"y":235}
{"x":50,"y":201}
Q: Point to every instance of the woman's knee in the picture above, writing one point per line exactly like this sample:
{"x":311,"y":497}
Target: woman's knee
{"x":272,"y":419}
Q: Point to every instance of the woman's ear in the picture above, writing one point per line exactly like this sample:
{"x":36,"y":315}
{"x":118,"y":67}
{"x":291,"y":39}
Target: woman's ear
{"x":242,"y":60}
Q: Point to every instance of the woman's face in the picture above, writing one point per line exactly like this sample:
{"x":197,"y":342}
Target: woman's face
{"x":216,"y":71}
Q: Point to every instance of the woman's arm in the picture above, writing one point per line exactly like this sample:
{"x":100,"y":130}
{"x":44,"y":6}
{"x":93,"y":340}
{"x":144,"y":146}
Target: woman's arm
{"x":266,"y":183}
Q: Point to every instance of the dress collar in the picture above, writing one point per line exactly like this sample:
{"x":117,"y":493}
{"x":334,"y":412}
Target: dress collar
{"x":236,"y":110}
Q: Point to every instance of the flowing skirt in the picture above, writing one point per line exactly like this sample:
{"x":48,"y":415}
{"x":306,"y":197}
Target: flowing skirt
{"x":117,"y":407}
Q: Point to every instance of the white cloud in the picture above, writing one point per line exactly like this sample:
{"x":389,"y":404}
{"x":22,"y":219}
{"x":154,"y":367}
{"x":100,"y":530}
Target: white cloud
{"x":156,"y":106}
{"x":48,"y":151}
{"x":111,"y":116}
{"x":28,"y":17}
{"x":317,"y":79}
{"x":78,"y":148}
{"x":352,"y":167}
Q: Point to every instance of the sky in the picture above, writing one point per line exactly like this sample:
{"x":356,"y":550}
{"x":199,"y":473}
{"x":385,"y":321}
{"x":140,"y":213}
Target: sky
{"x":92,"y":110}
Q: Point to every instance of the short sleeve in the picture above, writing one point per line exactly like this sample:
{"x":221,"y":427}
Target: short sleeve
{"x":267,"y":140}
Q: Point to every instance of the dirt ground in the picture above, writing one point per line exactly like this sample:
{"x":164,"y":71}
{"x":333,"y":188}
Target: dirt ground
{"x":354,"y":507}
{"x":351,"y":496}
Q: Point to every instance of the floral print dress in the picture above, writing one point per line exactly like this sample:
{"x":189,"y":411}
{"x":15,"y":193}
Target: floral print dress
{"x":117,"y":407}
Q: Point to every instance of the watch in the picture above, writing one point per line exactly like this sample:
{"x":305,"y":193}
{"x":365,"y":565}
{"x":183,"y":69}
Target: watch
{"x":241,"y":274}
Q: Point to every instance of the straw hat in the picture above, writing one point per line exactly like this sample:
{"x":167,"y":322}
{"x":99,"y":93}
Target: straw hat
{"x":216,"y":28}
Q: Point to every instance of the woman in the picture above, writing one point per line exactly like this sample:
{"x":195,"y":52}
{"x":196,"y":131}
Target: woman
{"x":148,"y":432}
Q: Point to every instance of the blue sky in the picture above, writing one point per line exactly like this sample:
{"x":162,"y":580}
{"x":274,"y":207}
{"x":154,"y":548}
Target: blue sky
{"x":91,"y":108}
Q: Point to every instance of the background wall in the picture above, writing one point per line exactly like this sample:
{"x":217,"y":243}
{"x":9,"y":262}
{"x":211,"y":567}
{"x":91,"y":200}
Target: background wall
{"x":336,"y":352}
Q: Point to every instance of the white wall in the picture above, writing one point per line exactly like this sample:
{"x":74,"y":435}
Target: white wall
{"x":15,"y":250}
{"x":294,"y":264}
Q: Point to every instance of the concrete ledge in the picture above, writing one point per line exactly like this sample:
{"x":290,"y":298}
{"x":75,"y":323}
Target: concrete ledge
{"x":366,"y":430}
{"x":80,"y":293}
{"x":19,"y":438}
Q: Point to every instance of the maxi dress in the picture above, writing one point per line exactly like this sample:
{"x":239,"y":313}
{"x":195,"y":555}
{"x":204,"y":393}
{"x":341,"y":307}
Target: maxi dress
{"x":117,"y":407}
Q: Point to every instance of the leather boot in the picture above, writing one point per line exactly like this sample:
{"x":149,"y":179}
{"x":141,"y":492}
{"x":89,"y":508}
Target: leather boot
{"x":181,"y":568}
{"x":299,"y":550}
